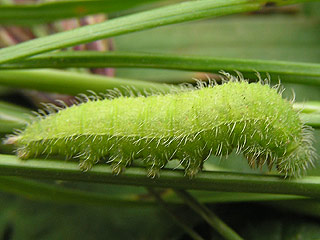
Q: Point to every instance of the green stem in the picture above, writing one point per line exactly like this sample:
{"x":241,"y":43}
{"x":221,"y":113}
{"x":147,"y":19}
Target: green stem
{"x":72,"y":82}
{"x":48,"y":192}
{"x":165,"y":206}
{"x":308,"y":107}
{"x":213,"y":220}
{"x":12,"y":117}
{"x":215,"y":181}
{"x":295,"y":72}
{"x":311,"y":119}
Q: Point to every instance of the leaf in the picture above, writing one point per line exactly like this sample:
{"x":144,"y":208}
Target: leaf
{"x":12,"y":117}
{"x":294,"y":72}
{"x":175,"y":13}
{"x":50,"y":11}
{"x":73,"y":82}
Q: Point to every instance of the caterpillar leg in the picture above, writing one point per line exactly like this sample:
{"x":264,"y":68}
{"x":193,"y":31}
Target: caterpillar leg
{"x":193,"y":163}
{"x":154,"y":162}
{"x":23,"y":153}
{"x":192,"y":155}
{"x":257,"y":159}
{"x":156,"y":159}
{"x":34,"y":150}
{"x":89,"y":154}
{"x":122,"y":155}
{"x":119,"y":161}
{"x":87,"y":160}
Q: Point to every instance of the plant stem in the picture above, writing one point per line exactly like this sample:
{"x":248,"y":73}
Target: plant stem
{"x":213,"y":220}
{"x":73,"y":83}
{"x":311,"y":119}
{"x":295,"y":72}
{"x":214,"y":181}
{"x":165,"y":206}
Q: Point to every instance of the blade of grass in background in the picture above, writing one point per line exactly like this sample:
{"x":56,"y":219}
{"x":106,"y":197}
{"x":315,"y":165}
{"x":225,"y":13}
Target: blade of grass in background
{"x":38,"y":191}
{"x":284,"y":37}
{"x":54,"y":193}
{"x":289,"y":37}
{"x":49,"y":11}
{"x":51,"y":192}
{"x":293,"y":72}
{"x":312,"y":119}
{"x":308,"y":107}
{"x":72,"y":82}
{"x":309,"y":112}
{"x":176,"y":13}
{"x":12,"y":117}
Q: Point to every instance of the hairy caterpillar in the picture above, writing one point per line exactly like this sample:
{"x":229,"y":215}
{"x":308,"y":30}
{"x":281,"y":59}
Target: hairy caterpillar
{"x":190,"y":125}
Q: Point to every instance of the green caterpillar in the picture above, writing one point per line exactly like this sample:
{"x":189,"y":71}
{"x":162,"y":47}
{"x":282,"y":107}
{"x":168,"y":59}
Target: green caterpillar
{"x":190,"y":125}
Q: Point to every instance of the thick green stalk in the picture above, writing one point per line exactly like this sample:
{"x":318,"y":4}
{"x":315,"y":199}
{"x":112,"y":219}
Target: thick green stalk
{"x":215,"y":181}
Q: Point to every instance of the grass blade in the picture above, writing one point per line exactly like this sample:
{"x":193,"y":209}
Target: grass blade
{"x":48,"y":192}
{"x":50,"y":11}
{"x":176,"y":13}
{"x":294,"y":72}
{"x":12,"y":117}
{"x":71,"y":82}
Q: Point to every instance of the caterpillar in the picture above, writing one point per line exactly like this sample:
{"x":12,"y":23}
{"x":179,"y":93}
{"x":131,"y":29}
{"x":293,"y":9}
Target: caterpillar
{"x":189,"y":125}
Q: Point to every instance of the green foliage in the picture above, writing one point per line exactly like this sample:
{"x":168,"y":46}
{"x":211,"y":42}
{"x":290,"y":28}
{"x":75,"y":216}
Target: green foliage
{"x":70,"y":204}
{"x":49,"y":11}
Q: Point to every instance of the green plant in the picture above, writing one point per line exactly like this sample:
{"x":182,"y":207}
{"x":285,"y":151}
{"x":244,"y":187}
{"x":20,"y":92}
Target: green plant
{"x":231,"y":43}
